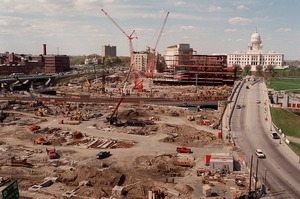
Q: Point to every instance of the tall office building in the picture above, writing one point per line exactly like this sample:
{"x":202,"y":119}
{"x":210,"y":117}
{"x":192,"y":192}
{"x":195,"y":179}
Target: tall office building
{"x":176,"y":55}
{"x":140,"y":60}
{"x":109,"y":51}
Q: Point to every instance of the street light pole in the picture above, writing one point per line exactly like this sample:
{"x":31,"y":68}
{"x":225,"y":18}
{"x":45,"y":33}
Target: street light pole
{"x":265,"y":180}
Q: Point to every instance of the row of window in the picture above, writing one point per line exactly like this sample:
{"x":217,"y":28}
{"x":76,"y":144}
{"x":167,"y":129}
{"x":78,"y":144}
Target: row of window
{"x":255,"y":63}
{"x":254,"y":58}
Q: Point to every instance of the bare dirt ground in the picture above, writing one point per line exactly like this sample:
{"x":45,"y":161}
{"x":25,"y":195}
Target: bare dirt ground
{"x":143,"y":159}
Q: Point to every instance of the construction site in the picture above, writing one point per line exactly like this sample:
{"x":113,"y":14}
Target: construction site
{"x":128,"y":135}
{"x":118,"y":145}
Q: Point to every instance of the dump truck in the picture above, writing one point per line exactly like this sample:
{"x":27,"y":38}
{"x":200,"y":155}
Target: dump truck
{"x":184,"y":149}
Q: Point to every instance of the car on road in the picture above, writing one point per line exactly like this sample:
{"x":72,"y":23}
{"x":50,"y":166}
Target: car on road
{"x":257,"y":102}
{"x":259,"y":153}
{"x":238,"y":106}
{"x":275,"y":135}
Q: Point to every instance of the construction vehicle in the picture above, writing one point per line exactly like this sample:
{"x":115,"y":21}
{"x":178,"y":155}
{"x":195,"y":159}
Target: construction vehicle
{"x":34,"y":128}
{"x":184,"y":149}
{"x":135,"y":122}
{"x":153,"y":59}
{"x":112,"y":119}
{"x":42,"y":141}
{"x":103,"y":154}
{"x":52,"y":153}
{"x":137,"y":85}
{"x":71,"y":122}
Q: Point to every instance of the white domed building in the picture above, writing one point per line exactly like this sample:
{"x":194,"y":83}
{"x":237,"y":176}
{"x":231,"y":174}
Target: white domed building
{"x":255,"y":56}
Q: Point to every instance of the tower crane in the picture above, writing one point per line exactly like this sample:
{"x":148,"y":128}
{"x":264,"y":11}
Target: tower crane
{"x":153,"y":59}
{"x":130,"y":37}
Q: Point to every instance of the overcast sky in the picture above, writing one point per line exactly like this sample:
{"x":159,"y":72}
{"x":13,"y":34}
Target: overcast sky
{"x":79,"y":27}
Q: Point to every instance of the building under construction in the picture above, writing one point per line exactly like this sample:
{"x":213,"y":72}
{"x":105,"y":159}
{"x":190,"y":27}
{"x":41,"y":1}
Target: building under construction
{"x":186,"y":67}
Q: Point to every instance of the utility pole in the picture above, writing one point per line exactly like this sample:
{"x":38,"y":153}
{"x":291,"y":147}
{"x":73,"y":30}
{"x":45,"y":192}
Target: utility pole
{"x":196,"y":83}
{"x":256,"y":178}
{"x":265,"y":181}
{"x":250,"y":178}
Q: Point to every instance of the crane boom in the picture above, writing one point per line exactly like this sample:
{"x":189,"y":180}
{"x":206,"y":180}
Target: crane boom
{"x":152,"y":62}
{"x":130,"y":37}
{"x":161,"y":30}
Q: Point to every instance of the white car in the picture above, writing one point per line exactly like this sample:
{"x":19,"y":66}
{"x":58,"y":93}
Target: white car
{"x":259,"y":153}
{"x":257,"y":102}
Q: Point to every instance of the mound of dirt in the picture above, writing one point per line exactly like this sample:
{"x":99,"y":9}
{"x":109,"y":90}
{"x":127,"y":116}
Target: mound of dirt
{"x":184,"y":135}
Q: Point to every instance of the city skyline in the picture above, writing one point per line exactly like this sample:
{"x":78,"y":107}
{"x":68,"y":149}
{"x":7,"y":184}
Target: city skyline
{"x":79,"y":27}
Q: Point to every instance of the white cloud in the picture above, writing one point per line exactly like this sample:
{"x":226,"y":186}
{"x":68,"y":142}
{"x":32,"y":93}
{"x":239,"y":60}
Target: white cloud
{"x":241,"y":7}
{"x":239,"y":21}
{"x":180,"y":3}
{"x":187,"y":27}
{"x":214,"y":8}
{"x":230,"y":30}
{"x":284,"y":30}
{"x":11,"y":21}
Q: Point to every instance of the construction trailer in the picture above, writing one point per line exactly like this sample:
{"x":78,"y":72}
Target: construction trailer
{"x":9,"y":189}
{"x":221,"y":161}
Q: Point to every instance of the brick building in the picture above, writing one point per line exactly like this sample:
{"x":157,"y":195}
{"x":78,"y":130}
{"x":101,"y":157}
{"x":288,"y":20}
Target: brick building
{"x":28,"y":64}
{"x":56,"y":63}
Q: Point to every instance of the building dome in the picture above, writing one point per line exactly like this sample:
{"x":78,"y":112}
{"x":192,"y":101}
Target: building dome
{"x":255,"y":38}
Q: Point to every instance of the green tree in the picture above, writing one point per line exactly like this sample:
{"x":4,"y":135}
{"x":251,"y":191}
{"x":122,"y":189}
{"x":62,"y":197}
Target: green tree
{"x":107,"y":61}
{"x":259,"y":69}
{"x":77,"y":60}
{"x":247,"y":68}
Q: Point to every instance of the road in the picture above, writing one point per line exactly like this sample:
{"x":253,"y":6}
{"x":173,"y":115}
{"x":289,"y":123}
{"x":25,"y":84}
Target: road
{"x":251,"y":129}
{"x":115,"y":100}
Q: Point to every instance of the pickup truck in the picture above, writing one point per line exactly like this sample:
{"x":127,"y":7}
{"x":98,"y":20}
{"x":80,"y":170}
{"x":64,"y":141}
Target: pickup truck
{"x":184,"y":149}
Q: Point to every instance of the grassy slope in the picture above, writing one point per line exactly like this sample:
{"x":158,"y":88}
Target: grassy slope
{"x":285,"y":83}
{"x":289,"y":123}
